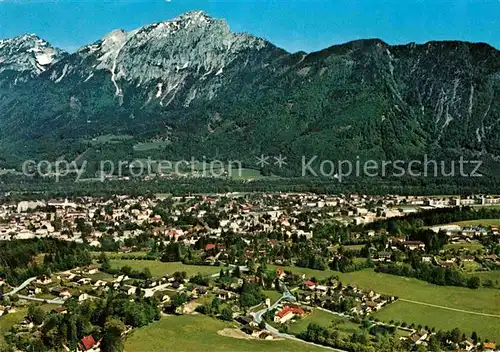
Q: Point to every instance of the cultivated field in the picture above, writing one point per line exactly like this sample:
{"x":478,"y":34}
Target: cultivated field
{"x":486,"y":327}
{"x":159,"y":269}
{"x":467,"y":246}
{"x":481,"y":222}
{"x":198,"y":333}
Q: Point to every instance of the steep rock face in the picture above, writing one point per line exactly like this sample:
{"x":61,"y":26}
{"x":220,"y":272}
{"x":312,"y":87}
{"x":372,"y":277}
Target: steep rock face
{"x":187,"y":56}
{"x":26,"y":56}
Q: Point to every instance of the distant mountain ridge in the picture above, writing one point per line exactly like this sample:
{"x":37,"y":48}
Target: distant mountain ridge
{"x":194,"y":88}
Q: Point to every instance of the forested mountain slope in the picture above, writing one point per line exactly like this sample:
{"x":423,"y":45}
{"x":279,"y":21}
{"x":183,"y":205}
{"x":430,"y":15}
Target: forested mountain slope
{"x":194,"y":88}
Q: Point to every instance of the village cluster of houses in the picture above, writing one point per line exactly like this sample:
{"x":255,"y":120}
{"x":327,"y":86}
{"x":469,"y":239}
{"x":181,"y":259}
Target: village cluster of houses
{"x":264,"y":213}
{"x":366,"y":301}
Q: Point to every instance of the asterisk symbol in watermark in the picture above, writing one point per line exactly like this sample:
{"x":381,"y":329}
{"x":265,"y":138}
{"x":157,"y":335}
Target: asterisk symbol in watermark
{"x":280,"y":160}
{"x":262,"y":160}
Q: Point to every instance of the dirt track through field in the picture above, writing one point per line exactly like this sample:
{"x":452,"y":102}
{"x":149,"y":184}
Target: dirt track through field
{"x":448,"y":308}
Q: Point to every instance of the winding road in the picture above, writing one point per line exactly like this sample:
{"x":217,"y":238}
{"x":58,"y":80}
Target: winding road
{"x":20,"y":287}
{"x":57,"y":301}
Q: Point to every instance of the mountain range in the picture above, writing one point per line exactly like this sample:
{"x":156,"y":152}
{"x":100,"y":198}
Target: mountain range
{"x":191,"y":87}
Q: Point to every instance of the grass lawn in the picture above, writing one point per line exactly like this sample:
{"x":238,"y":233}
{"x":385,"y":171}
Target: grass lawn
{"x":117,"y":255}
{"x":245,"y":174}
{"x":100,"y":275}
{"x":109,"y":138}
{"x":359,"y":260}
{"x":493,"y":275}
{"x":198,"y":333}
{"x":159,"y":269}
{"x":480,"y":222}
{"x":47,"y":307}
{"x":467,"y":246}
{"x":326,"y":320}
{"x":206,"y":299}
{"x":45,"y":296}
{"x":272,"y":295}
{"x":486,"y":327}
{"x":145,"y":146}
{"x":470,"y":267}
{"x":354,"y":247}
{"x":8,"y":320}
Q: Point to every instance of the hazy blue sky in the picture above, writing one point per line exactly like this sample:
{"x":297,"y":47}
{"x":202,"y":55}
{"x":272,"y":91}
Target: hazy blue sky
{"x":294,"y":25}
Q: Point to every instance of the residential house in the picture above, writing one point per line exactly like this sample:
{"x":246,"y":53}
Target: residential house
{"x":91,"y":270}
{"x":60,"y":310}
{"x":43,"y":280}
{"x":128,"y":290}
{"x":287,"y":313}
{"x":33,"y":290}
{"x":84,"y":281}
{"x":61,"y":292}
{"x":413,"y":245}
{"x":310,"y":285}
{"x":384,"y":256}
{"x":88,"y":344}
{"x":225,"y":295}
{"x":489,"y":346}
{"x":280,"y":273}
{"x":80,"y":296}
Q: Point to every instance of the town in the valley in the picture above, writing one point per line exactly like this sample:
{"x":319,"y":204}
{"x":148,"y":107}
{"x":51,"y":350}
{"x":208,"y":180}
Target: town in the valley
{"x":346,"y":272}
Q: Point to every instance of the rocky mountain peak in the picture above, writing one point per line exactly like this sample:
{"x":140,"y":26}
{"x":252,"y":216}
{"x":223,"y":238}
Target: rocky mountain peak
{"x":27,"y":54}
{"x":163,"y":57}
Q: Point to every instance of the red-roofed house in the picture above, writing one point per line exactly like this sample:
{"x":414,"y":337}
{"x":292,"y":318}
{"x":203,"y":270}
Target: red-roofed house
{"x":489,"y":346}
{"x":310,"y":285}
{"x":156,"y":218}
{"x":280,"y":273}
{"x":88,"y":344}
{"x":210,"y":200}
{"x":287,"y":313}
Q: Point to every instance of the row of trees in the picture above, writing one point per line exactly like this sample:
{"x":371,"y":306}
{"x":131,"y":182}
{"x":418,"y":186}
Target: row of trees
{"x":360,"y":341}
{"x":42,"y":188}
{"x":430,"y":273}
{"x":434,"y":217}
{"x":18,"y":259}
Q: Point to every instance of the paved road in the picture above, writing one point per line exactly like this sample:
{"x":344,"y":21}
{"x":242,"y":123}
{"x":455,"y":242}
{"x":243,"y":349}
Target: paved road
{"x":342,"y":315}
{"x":57,"y":301}
{"x":20,"y":287}
{"x":449,"y":308}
